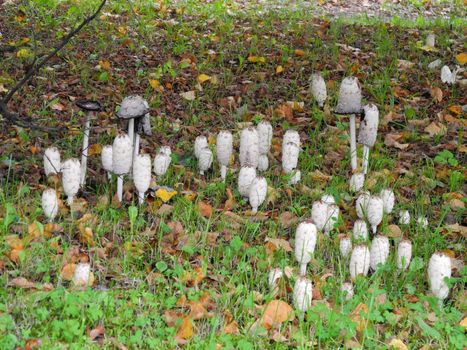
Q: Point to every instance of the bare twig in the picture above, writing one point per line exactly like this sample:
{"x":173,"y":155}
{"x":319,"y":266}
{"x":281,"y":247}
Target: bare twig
{"x":22,"y":121}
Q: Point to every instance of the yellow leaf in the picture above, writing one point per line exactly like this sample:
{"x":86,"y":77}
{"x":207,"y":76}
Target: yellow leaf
{"x":190,"y":196}
{"x":203,"y":77}
{"x":154,"y":83}
{"x":463,"y":323}
{"x":185,"y":331}
{"x":164,"y":194}
{"x":256,"y":59}
{"x":398,"y":344}
{"x":461,"y":58}
{"x":299,"y":52}
{"x":275,"y":313}
{"x":279,"y":69}
{"x":23,"y":53}
{"x":105,"y":65}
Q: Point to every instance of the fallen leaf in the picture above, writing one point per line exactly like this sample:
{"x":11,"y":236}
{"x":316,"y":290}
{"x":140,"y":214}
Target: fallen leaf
{"x":33,"y":344}
{"x":287,"y":219}
{"x":398,"y":344}
{"x":256,"y":59}
{"x":394,"y":231}
{"x":164,"y":194}
{"x":461,"y":58}
{"x":21,"y":282}
{"x":279,"y":69}
{"x":299,"y":52}
{"x":435,"y":128}
{"x":203,"y":77}
{"x":96,"y":332}
{"x":232,"y":328}
{"x":189,"y":95}
{"x":185,"y":331}
{"x":279,"y":243}
{"x":105,"y":65}
{"x":437,"y":94}
{"x":456,"y":109}
{"x":463,"y":323}
{"x":391,"y":140}
{"x":205,"y":209}
{"x":276,"y":313}
{"x":68,"y":271}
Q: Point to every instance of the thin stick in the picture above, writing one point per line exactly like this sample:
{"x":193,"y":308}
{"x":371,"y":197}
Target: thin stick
{"x":84,"y":154}
{"x":353,"y":143}
{"x":366,"y":158}
{"x":223,"y":172}
{"x":120,"y":188}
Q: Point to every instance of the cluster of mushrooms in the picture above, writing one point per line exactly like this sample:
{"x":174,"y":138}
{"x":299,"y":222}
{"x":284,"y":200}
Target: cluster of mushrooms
{"x":123,"y":157}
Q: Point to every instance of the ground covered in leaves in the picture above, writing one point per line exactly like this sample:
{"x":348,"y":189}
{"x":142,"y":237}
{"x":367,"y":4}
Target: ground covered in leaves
{"x":191,"y":269}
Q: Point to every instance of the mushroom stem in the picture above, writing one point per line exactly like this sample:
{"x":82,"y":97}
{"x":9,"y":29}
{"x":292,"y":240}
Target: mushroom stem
{"x":131,"y":134}
{"x":140,"y":198}
{"x":374,"y":228}
{"x":223,"y":172}
{"x":353,"y":143}
{"x":84,"y":154}
{"x":120,"y":187}
{"x":303,"y":269}
{"x":109,"y":175}
{"x":136,"y":146}
{"x":70,"y":200}
{"x":366,"y":158}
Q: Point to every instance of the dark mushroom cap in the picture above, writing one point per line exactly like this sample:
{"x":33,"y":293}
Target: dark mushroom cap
{"x":133,"y":107}
{"x":89,"y":105}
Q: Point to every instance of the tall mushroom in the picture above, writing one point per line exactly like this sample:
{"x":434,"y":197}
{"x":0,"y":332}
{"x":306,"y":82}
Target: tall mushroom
{"x":368,"y":132}
{"x":257,"y":193}
{"x":439,"y":268}
{"x":71,"y":178}
{"x":106,"y":158}
{"x":122,"y":152}
{"x":404,"y":254}
{"x":379,"y":251}
{"x":318,"y":88}
{"x":249,"y":147}
{"x":50,"y":203}
{"x":200,"y":143}
{"x":162,"y":161}
{"x":89,"y":107}
{"x":303,"y":294}
{"x":350,"y":103}
{"x":290,"y":152}
{"x":52,"y":162}
{"x":306,"y":236}
{"x":264,"y":129}
{"x":224,"y":149}
{"x":133,"y":107}
{"x":205,"y":160}
{"x":142,"y":175}
{"x":359,"y":261}
{"x":246,"y":175}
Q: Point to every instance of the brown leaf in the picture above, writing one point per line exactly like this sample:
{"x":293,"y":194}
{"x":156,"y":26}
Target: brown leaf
{"x":185,"y":331}
{"x":96,"y":332}
{"x":193,"y":278}
{"x":21,"y":282}
{"x":205,"y":209}
{"x":391,"y":140}
{"x":231,"y":328}
{"x":435,"y":128}
{"x":33,"y":344}
{"x":287,"y":219}
{"x":437,"y":94}
{"x":285,"y":111}
{"x":397,"y":344}
{"x":279,"y":243}
{"x":68,"y":271}
{"x":394,"y":231}
{"x":276,"y":313}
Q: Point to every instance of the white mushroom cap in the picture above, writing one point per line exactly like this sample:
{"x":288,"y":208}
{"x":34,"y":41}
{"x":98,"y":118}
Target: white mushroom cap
{"x":379,"y":251}
{"x":50,"y":203}
{"x":263,"y":162}
{"x":52,"y":161}
{"x":404,"y":217}
{"x":356,"y":182}
{"x":422,"y":221}
{"x":205,"y":160}
{"x":350,"y":97}
{"x":302,"y":294}
{"x":439,"y":268}
{"x":106,"y":158}
{"x":161,"y":163}
{"x":361,"y":204}
{"x":166,"y":150}
{"x":122,"y":154}
{"x":388,"y":197}
{"x":375,"y":212}
{"x":257,"y":193}
{"x":290,"y":153}
{"x":200,"y":143}
{"x":246,"y":175}
{"x":133,"y":107}
{"x":369,"y":126}
{"x":264,"y":129}
{"x":318,"y":88}
{"x":359,"y":261}
{"x":430,"y":40}
{"x":142,"y":172}
{"x":296,"y":177}
{"x":447,"y":76}
{"x":306,"y":236}
{"x":71,"y":178}
{"x":291,"y":136}
{"x":224,"y":147}
{"x":332,"y":214}
{"x":274,"y":276}
{"x":81,"y":277}
{"x":347,"y":290}
{"x":328,"y":199}
{"x":404,"y":254}
{"x":249,"y":147}
{"x":360,"y":230}
{"x":345,"y":246}
{"x":319,"y":214}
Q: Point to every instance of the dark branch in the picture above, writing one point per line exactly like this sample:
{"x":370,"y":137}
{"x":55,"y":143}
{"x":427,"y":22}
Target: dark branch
{"x":16,"y":119}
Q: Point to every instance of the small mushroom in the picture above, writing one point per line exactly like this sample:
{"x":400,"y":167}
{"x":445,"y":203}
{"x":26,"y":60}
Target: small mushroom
{"x":205,"y":160}
{"x":356,"y":182}
{"x":350,"y":103}
{"x":200,"y":143}
{"x":422,"y":221}
{"x":52,"y":162}
{"x":83,"y":277}
{"x":361,"y":205}
{"x":360,"y":230}
{"x":290,"y":153}
{"x":379,"y":251}
{"x":347,"y":290}
{"x":249,"y":147}
{"x":306,"y":236}
{"x":447,"y":76}
{"x":439,"y":268}
{"x":430,"y":40}
{"x":71,"y":178}
{"x":368,"y":132}
{"x":374,"y":212}
{"x":142,"y":175}
{"x":224,"y":150}
{"x":359,"y":261}
{"x":389,"y":199}
{"x":257,"y":193}
{"x":246,"y":175}
{"x":50,"y":204}
{"x":106,"y":158}
{"x":273,"y":278}
{"x":328,"y":199}
{"x":90,"y":108}
{"x":404,"y":217}
{"x":291,"y":136}
{"x":318,"y":89}
{"x":404,"y":254}
{"x":122,"y":152}
{"x":264,"y":129}
{"x":332,"y":216}
{"x":345,"y":246}
{"x":162,"y":161}
{"x":319,"y":214}
{"x":303,"y":294}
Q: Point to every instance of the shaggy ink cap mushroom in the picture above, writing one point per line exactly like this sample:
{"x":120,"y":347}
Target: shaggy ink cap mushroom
{"x":133,"y":107}
{"x":350,"y":97}
{"x":89,"y":105}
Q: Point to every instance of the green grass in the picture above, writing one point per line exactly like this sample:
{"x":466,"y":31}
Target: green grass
{"x":140,"y":272}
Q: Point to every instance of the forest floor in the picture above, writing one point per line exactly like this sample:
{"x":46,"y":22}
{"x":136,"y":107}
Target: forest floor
{"x":191,"y":270}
